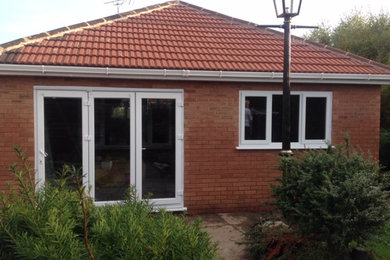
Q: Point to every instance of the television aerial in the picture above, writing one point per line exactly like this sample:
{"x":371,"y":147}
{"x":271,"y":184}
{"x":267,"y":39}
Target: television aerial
{"x":118,"y":3}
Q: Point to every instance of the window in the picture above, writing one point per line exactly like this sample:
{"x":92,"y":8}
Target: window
{"x":261,"y":119}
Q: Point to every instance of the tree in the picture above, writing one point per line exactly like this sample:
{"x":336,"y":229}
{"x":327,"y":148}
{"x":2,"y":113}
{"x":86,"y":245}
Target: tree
{"x":364,"y":35}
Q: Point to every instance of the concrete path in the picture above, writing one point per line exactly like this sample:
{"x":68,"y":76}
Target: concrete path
{"x":228,"y":229}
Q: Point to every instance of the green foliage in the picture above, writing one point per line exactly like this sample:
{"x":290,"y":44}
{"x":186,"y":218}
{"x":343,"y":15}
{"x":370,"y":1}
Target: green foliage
{"x":269,"y":239}
{"x":322,"y":34}
{"x":131,"y":231}
{"x":379,"y":247}
{"x":364,"y":35}
{"x":384,"y":150}
{"x":39,"y":224}
{"x":333,"y":196}
{"x":59,"y":221}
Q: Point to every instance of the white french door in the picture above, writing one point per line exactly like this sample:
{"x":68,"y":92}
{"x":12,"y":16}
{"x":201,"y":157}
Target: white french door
{"x":159,"y":147}
{"x":61,"y":133}
{"x":119,"y":138}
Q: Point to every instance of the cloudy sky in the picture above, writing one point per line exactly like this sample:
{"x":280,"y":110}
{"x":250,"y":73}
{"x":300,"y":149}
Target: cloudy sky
{"x":20,"y":18}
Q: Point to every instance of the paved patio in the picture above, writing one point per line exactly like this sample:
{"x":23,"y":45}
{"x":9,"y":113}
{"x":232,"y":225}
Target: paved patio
{"x":228,"y":229}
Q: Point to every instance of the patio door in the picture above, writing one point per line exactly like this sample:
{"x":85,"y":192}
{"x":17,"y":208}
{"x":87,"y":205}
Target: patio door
{"x":62,"y":125}
{"x":159,"y":145}
{"x":118,"y":138}
{"x":112,"y":151}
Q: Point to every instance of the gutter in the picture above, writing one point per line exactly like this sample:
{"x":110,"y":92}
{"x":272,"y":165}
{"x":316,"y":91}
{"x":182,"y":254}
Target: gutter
{"x":190,"y":75}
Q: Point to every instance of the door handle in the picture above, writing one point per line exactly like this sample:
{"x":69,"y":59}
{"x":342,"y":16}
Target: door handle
{"x":143,"y":148}
{"x":43,"y":153}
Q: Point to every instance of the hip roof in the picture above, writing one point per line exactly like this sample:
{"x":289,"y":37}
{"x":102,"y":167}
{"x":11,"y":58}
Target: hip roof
{"x":179,"y":36}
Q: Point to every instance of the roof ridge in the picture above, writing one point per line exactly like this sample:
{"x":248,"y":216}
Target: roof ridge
{"x":59,"y":32}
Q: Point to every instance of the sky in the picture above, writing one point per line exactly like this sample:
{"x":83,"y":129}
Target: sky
{"x":22,"y":18}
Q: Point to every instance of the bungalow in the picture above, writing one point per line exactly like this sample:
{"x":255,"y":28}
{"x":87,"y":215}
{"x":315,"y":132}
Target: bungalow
{"x":180,"y":102}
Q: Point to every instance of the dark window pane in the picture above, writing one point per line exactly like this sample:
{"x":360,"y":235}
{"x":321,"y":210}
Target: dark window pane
{"x":63,"y":134}
{"x":255,"y":118}
{"x":277,"y":102}
{"x":112,"y":148}
{"x":315,"y":118}
{"x":158,"y":148}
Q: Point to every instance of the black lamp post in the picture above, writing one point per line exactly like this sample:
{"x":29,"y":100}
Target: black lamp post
{"x":286,"y":9}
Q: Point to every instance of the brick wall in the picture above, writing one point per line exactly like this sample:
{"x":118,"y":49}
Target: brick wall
{"x":217,"y":177}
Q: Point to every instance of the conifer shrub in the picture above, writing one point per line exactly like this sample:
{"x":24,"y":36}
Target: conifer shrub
{"x":40,"y":223}
{"x":60,"y":221}
{"x":131,"y":230}
{"x":333,"y":196}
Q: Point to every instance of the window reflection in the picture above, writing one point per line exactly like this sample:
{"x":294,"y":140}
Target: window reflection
{"x":255,"y":118}
{"x":158,"y":148}
{"x":315,"y":118}
{"x":112,"y":148}
{"x":277,"y":103}
{"x":63,"y":134}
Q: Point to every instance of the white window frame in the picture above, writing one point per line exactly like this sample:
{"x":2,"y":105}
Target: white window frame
{"x":177,"y":201}
{"x":40,"y":154}
{"x":87,"y":96}
{"x":302,"y":143}
{"x":107,"y":95}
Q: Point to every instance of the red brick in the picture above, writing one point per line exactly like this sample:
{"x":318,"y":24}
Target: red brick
{"x":218,"y":178}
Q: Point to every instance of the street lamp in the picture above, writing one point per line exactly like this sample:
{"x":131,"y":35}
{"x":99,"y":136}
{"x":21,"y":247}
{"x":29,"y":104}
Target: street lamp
{"x":286,"y":9}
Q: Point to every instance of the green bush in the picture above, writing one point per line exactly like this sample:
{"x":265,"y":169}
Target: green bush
{"x":270,"y":239}
{"x":131,"y":231}
{"x":384,"y":150}
{"x":59,"y":221}
{"x":40,"y":223}
{"x":333,"y":196}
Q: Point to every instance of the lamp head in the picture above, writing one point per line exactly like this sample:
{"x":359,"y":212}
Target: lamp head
{"x":287,"y":8}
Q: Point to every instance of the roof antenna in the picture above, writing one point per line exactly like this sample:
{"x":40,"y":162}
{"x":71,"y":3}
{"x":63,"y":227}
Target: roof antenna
{"x":118,"y":3}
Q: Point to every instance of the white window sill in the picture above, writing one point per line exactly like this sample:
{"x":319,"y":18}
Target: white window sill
{"x":278,"y":146}
{"x":171,"y":208}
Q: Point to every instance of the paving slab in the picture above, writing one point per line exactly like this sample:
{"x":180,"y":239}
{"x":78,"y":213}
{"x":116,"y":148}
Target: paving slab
{"x":228,"y":230}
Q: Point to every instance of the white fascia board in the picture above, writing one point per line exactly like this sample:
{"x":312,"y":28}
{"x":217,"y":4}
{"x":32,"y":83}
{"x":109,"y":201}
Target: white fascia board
{"x":190,"y":75}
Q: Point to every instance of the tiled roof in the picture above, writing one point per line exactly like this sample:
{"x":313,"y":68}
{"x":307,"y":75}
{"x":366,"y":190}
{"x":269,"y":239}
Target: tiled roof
{"x":177,"y":35}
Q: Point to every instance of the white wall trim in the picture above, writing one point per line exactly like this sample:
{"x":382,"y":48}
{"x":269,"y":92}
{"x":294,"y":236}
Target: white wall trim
{"x":106,"y":89}
{"x":190,"y":75}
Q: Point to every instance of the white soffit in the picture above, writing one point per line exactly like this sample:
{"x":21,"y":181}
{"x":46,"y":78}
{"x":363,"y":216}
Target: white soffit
{"x":190,"y":75}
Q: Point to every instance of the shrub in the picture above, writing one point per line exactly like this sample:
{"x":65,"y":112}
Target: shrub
{"x":332,"y":196}
{"x":59,"y":221}
{"x":131,"y":231}
{"x":269,"y":239}
{"x":40,"y":223}
{"x":384,"y":150}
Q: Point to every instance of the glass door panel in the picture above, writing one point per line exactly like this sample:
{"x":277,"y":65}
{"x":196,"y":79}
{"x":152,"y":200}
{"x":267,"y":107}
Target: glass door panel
{"x":62,"y":134}
{"x":158,"y":148}
{"x":112,"y":148}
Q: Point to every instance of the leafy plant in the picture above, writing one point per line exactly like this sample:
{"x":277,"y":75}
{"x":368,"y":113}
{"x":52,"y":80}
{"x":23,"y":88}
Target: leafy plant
{"x":375,"y":44}
{"x":41,"y":223}
{"x":59,"y":221}
{"x":269,"y":239}
{"x":333,"y":196}
{"x":131,"y":230}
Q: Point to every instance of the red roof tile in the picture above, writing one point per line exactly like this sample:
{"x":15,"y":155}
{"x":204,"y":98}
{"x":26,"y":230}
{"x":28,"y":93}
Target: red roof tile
{"x":177,"y":35}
